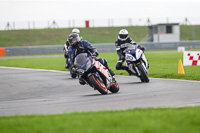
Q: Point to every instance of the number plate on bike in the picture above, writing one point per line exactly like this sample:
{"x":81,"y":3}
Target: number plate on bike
{"x":129,"y":57}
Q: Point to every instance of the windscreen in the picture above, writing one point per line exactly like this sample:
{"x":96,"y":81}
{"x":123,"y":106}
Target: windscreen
{"x":82,"y":61}
{"x":130,"y":49}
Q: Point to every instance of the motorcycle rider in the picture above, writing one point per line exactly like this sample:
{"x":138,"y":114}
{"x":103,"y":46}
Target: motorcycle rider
{"x":77,"y":31}
{"x":78,"y":46}
{"x":121,"y":44}
{"x":66,"y":48}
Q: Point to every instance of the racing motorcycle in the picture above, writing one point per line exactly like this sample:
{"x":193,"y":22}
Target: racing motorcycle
{"x":95,"y":74}
{"x":136,"y":62}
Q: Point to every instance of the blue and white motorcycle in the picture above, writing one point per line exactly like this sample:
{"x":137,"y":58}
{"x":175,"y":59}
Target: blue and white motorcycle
{"x":137,"y":62}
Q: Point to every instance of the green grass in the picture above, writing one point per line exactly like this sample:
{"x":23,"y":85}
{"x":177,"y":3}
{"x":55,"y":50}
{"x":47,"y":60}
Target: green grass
{"x":186,"y":32}
{"x":94,"y":35}
{"x":162,"y":64}
{"x":149,"y":120}
{"x":56,"y":63}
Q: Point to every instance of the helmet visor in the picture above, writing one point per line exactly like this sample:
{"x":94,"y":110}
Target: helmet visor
{"x":123,"y":36}
{"x":73,"y":41}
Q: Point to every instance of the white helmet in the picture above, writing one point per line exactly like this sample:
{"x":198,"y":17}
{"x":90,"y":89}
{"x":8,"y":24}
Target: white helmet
{"x":77,"y":31}
{"x":123,"y":34}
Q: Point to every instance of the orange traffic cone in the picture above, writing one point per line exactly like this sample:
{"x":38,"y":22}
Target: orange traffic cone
{"x":180,"y":67}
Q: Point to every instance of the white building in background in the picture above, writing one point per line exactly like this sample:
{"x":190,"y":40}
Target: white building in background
{"x":164,"y":32}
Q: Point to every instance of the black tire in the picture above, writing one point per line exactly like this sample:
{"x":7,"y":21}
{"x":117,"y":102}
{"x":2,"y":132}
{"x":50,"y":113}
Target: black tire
{"x":98,"y":85}
{"x":114,"y":88}
{"x":144,"y":76}
{"x":73,"y":75}
{"x":142,"y":80}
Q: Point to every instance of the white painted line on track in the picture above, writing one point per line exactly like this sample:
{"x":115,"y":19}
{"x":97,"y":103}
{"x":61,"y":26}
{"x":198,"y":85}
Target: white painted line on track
{"x":30,"y":69}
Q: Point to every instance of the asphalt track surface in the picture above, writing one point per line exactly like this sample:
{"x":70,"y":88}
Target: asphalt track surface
{"x":33,"y":91}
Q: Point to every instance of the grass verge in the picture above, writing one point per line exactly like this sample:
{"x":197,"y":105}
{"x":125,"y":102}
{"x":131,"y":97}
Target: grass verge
{"x":149,"y":120}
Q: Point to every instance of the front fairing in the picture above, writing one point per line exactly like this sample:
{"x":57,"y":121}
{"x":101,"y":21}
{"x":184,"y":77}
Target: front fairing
{"x":132,"y":53}
{"x":83,"y":63}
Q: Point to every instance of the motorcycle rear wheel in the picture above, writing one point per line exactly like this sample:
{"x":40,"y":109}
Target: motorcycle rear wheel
{"x":98,"y":85}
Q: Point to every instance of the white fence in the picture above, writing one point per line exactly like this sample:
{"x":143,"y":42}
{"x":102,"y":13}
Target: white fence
{"x":110,"y":22}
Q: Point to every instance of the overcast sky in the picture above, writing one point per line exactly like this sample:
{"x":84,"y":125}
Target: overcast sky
{"x":90,"y":9}
{"x":45,"y":10}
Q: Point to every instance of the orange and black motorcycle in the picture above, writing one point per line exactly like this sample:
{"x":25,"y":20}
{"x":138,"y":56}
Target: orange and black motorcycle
{"x":95,"y":74}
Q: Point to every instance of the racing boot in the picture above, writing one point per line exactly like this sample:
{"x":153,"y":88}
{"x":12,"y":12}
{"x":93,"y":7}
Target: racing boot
{"x":129,"y":72}
{"x":67,"y":64}
{"x":127,"y":69}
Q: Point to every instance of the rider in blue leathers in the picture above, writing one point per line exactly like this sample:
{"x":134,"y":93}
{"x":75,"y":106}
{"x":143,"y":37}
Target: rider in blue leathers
{"x":78,"y":46}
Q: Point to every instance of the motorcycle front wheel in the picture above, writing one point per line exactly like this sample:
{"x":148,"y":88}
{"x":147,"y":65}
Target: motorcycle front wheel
{"x":73,"y":75}
{"x":144,"y":76}
{"x":98,"y":84}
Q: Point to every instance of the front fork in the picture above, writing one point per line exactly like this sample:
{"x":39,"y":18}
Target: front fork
{"x":133,"y":67}
{"x":141,"y":62}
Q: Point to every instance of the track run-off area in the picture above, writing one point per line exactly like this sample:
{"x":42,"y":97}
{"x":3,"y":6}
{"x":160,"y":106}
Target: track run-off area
{"x":36,"y":91}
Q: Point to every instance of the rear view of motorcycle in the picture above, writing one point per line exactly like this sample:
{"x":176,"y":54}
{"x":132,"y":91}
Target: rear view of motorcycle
{"x":136,"y":62}
{"x":95,"y":74}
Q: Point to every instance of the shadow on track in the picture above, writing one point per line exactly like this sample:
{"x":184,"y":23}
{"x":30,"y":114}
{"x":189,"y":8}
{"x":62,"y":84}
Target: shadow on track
{"x":132,"y":83}
{"x":99,"y":94}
